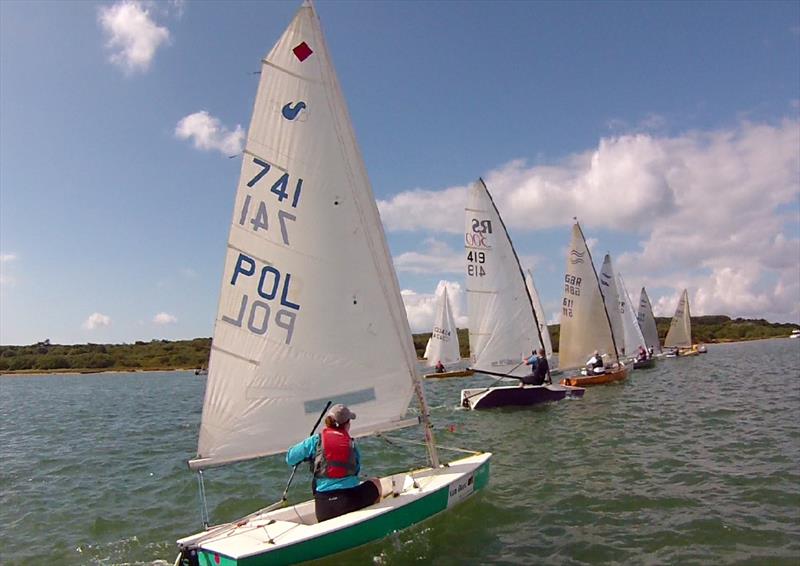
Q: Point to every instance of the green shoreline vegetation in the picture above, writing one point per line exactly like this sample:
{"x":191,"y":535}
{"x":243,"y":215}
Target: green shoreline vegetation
{"x":164,"y":355}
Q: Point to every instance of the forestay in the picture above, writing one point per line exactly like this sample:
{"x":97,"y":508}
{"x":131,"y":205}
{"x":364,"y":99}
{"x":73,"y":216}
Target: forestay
{"x":647,"y":322}
{"x":680,"y":329}
{"x":444,"y":338}
{"x":611,"y":297}
{"x":540,"y":316}
{"x":310,"y":308}
{"x":633,"y":334}
{"x":502,"y":322}
{"x":585,"y":326}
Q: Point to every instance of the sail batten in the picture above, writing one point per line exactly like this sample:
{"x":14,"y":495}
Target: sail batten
{"x":502,"y":320}
{"x":310,"y":309}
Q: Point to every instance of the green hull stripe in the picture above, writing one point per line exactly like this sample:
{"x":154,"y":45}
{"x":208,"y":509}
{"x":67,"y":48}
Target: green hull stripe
{"x":352,"y":536}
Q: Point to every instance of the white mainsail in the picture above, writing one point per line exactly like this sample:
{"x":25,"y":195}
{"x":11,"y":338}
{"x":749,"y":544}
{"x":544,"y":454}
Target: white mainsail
{"x":502,"y":322}
{"x":633,"y":334}
{"x":611,"y":297}
{"x":680,"y":329}
{"x":444,"y":338}
{"x":310,"y":308}
{"x":427,"y":353}
{"x":540,"y":316}
{"x":585,"y":325}
{"x":647,"y":322}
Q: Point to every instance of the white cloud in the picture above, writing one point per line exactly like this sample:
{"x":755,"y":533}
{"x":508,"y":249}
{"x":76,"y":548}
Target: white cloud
{"x":97,"y":320}
{"x":713,"y":211}
{"x":163,"y":318}
{"x":4,"y":258}
{"x":131,"y":35}
{"x":208,"y":133}
{"x":5,"y":279}
{"x":437,"y":258}
{"x":421,"y":307}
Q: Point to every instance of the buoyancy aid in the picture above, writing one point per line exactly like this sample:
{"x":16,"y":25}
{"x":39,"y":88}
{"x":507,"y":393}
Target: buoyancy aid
{"x":336,"y":455}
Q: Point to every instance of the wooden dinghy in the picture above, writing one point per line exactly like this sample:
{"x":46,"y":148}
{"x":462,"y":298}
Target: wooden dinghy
{"x":446,"y":374}
{"x":598,"y":379}
{"x":292,"y":534}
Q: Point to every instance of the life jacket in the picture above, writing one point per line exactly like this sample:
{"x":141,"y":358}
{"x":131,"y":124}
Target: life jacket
{"x":336,"y":455}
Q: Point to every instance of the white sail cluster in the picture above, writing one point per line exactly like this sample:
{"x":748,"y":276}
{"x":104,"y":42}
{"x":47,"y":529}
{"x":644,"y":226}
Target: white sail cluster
{"x":647,"y":322}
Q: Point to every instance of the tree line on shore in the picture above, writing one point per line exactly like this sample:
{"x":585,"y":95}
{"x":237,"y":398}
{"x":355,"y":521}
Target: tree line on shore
{"x":187,"y":354}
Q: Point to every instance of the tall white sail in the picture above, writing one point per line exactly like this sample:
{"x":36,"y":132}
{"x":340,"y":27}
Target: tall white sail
{"x":633,"y":334}
{"x":427,"y":353}
{"x":585,"y":326}
{"x":647,"y":322}
{"x":680,"y":329}
{"x":310,"y":308}
{"x":444,"y":338}
{"x":502,"y":322}
{"x":540,"y":316}
{"x":611,"y":297}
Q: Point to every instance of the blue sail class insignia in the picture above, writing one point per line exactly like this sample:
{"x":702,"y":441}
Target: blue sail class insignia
{"x":290,"y":112}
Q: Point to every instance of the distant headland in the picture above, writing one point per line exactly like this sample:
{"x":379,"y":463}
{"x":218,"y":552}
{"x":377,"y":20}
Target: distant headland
{"x":165,"y":355}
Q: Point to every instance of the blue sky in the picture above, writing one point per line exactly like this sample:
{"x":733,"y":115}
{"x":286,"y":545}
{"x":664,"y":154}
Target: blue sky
{"x":670,"y":129}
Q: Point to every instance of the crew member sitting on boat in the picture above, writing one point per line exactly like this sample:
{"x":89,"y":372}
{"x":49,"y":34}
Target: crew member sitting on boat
{"x":335,"y":462}
{"x":642,"y":354}
{"x":595,"y":363}
{"x":650,"y":352}
{"x":439,"y":367}
{"x":540,"y":369}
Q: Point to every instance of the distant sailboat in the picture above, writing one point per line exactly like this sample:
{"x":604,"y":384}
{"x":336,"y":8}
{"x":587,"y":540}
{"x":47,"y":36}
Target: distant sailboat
{"x":443,"y":345}
{"x":585,"y":321}
{"x":541,"y":318}
{"x":679,"y":335}
{"x":503,"y":324}
{"x":611,"y":299}
{"x":647,"y":322}
{"x":310,"y":314}
{"x":634,"y":340}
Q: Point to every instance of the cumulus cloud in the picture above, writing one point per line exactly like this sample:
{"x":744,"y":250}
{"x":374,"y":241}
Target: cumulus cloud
{"x":207,"y":133}
{"x":132,"y":37}
{"x":421,"y":307}
{"x":437,"y":258}
{"x":5,"y":279}
{"x":163,"y":318}
{"x":97,"y":320}
{"x":715,"y":211}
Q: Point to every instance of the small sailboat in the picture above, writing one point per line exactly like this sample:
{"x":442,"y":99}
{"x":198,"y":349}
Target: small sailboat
{"x":585,"y":320}
{"x":647,"y":322}
{"x":634,"y":339}
{"x":541,"y":319}
{"x":679,"y":336}
{"x":503,"y":324}
{"x":443,"y":345}
{"x":310,"y":314}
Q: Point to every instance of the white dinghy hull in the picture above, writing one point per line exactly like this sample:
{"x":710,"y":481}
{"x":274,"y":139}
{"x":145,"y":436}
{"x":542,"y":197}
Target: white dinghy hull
{"x":292,"y":534}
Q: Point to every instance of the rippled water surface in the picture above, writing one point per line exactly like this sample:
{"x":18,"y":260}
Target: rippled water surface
{"x":695,"y":461}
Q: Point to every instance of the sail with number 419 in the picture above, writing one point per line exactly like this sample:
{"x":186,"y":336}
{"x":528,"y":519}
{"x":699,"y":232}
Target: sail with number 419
{"x":503,"y":325}
{"x":310,"y":313}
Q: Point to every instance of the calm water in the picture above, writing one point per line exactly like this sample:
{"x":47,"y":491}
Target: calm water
{"x":696,"y":461}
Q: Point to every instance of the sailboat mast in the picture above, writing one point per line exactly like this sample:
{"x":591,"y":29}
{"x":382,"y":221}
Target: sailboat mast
{"x":519,"y":267}
{"x":597,"y":280}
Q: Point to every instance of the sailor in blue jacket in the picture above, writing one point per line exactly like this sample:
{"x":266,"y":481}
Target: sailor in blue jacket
{"x":336,"y":464}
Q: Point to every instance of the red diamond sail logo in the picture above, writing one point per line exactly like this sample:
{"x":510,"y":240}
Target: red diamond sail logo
{"x":302,"y":51}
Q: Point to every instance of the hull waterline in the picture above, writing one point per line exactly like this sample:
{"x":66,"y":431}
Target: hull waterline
{"x":516,"y":396}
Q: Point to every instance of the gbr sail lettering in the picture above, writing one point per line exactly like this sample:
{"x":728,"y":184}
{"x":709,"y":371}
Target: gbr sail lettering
{"x":572,"y":286}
